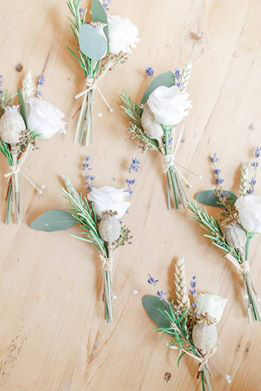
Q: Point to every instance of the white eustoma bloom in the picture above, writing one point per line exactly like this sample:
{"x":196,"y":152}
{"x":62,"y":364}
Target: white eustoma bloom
{"x":249,"y":209}
{"x":123,"y":34}
{"x":44,"y":118}
{"x":152,"y":128}
{"x":109,"y":198}
{"x":212,"y":305}
{"x":169,"y":105}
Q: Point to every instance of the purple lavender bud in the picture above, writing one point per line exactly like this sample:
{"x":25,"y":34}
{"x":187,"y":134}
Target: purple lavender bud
{"x":253,"y":181}
{"x":219,"y":181}
{"x":41,"y":80}
{"x":134,"y":166}
{"x":149,"y":71}
{"x":162,"y":295}
{"x":255,"y":164}
{"x":177,"y":73}
{"x":152,"y":281}
{"x":82,"y":12}
{"x":217,"y":171}
{"x":258,"y":152}
{"x":214,"y":158}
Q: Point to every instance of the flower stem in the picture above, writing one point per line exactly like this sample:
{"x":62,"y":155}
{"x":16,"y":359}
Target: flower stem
{"x":253,"y":310}
{"x":107,"y":276}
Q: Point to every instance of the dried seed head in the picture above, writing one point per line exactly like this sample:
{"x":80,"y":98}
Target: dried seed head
{"x":204,"y":337}
{"x":110,"y":229}
{"x":11,"y":126}
{"x":236,"y":237}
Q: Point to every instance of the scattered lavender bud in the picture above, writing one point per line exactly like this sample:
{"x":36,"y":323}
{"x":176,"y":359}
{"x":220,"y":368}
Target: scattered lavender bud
{"x":134,"y":166}
{"x":255,"y":164}
{"x":152,"y":281}
{"x":130,"y":183}
{"x":149,"y":71}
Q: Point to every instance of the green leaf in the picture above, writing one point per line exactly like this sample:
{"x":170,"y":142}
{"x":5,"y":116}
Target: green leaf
{"x":209,"y":198}
{"x":22,"y":107}
{"x":92,"y":44}
{"x":54,"y":220}
{"x":99,"y":15}
{"x":166,"y":79}
{"x":155,"y":308}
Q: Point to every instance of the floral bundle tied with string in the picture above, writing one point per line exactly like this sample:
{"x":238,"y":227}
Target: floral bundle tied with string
{"x":153,"y":123}
{"x":189,"y":320}
{"x":99,"y":214}
{"x":102,"y":43}
{"x":20,"y":127}
{"x":240,"y":221}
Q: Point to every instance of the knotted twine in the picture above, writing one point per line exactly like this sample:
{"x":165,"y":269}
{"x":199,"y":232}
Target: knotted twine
{"x":16,"y":169}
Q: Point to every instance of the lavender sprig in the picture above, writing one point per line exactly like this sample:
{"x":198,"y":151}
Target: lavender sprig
{"x":216,"y":171}
{"x":86,"y":167}
{"x":255,"y":165}
{"x":40,"y":84}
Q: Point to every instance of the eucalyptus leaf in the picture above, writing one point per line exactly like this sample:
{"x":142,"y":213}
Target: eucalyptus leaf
{"x":166,"y":79}
{"x":22,"y":106}
{"x":92,"y":44}
{"x":209,"y":198}
{"x":155,"y":308}
{"x":99,"y":15}
{"x":54,"y":220}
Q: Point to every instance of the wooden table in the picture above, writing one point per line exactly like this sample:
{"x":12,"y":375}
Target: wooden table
{"x":52,"y":334}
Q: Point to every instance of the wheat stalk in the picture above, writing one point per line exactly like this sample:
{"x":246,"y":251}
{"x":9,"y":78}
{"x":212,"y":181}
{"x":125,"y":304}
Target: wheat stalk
{"x":181,"y":283}
{"x":243,"y":179}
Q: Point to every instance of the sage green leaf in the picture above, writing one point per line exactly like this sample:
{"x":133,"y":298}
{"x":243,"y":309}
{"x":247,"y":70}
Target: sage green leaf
{"x":22,"y":107}
{"x":155,"y":308}
{"x":92,"y":44}
{"x":54,"y":220}
{"x":99,"y":15}
{"x":166,"y":79}
{"x":209,"y":198}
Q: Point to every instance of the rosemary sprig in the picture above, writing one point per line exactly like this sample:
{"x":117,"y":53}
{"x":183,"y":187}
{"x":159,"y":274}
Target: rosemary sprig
{"x":214,"y":231}
{"x":83,"y":212}
{"x":134,"y":113}
{"x":76,"y":21}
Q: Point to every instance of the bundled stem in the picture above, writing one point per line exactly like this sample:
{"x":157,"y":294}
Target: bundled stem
{"x":238,"y":258}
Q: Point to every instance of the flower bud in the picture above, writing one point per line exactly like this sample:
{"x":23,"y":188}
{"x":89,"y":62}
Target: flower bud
{"x":236,"y":237}
{"x":11,"y":125}
{"x":110,"y":229}
{"x":204,"y":337}
{"x":152,"y":128}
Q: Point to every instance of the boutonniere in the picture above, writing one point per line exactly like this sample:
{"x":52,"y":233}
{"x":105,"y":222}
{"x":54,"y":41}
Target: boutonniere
{"x":21,"y":125}
{"x":99,"y":212}
{"x":154,"y":123}
{"x":102,"y":42}
{"x":190,"y":321}
{"x":240,"y":220}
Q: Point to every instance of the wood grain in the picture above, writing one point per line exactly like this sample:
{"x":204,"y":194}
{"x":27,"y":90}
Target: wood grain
{"x":52,"y":333}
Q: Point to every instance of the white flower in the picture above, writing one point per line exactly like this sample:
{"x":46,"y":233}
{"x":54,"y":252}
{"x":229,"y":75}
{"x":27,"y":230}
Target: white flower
{"x":109,"y":198}
{"x":169,"y":105}
{"x":211,"y":305}
{"x":44,"y":118}
{"x":123,"y":34}
{"x":150,"y":125}
{"x":11,"y":125}
{"x":249,"y":208}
